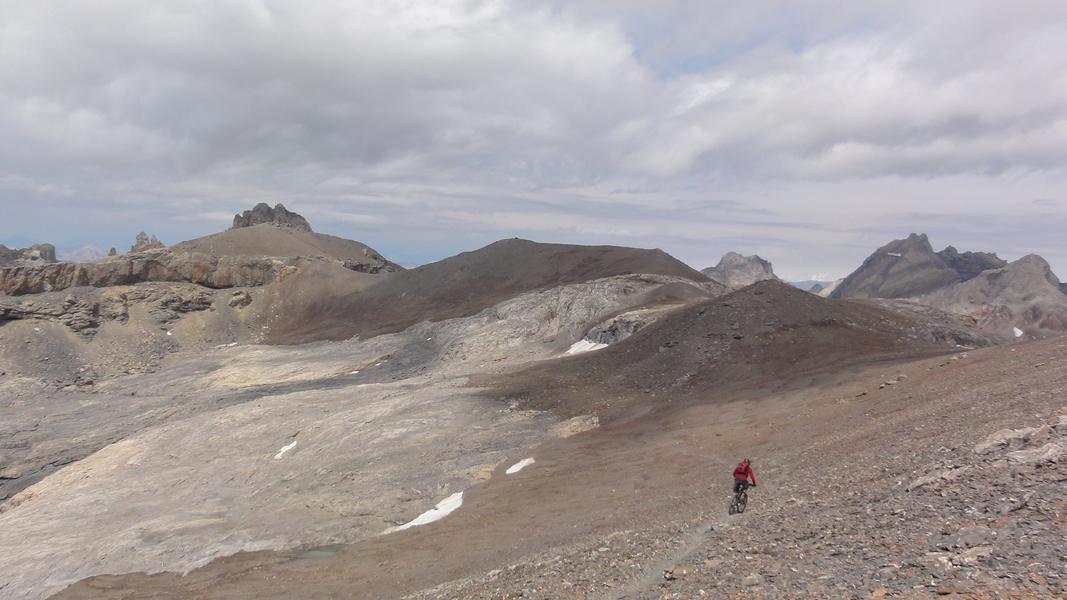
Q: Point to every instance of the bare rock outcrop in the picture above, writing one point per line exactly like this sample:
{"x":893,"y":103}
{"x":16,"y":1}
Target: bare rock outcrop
{"x":38,"y":253}
{"x":969,"y":264}
{"x":152,"y":265}
{"x":736,"y":271}
{"x":278,"y":216}
{"x":84,"y":311}
{"x":144,"y":243}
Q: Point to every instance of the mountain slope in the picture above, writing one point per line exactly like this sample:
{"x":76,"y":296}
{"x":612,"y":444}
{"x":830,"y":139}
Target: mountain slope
{"x":900,"y":269}
{"x":765,"y":333}
{"x":271,"y":240}
{"x":1025,"y":294}
{"x":469,"y":282}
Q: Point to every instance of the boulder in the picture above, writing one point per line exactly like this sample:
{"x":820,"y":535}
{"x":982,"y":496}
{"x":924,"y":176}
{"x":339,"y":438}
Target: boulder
{"x":1051,"y":452}
{"x":1008,"y":439}
{"x":240,"y":299}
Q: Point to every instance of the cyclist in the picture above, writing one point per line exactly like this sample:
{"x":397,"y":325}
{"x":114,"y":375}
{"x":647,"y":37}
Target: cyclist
{"x":742,"y":472}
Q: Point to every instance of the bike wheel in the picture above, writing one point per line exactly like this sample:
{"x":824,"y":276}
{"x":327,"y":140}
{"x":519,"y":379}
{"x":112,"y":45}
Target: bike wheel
{"x":742,"y":502}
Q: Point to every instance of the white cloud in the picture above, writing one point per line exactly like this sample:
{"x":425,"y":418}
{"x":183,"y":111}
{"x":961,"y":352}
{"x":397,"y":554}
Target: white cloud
{"x":807,"y":131}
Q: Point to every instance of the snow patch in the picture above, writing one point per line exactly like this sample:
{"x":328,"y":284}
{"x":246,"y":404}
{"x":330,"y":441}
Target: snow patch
{"x":1018,"y":332}
{"x":584,"y":346}
{"x":442,"y":510}
{"x":895,"y":254}
{"x":522,"y":464}
{"x":284,"y":450}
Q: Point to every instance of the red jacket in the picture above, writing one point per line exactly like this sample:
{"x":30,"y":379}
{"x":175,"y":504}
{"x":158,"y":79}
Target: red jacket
{"x":744,"y":471}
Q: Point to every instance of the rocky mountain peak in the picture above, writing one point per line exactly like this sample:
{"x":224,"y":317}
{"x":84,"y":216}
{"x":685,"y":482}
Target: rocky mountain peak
{"x":737,"y":271}
{"x":145,"y":242}
{"x":278,"y":216}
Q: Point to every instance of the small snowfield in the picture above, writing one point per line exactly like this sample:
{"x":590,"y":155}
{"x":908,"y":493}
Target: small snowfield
{"x":442,"y":510}
{"x":582,"y":346}
{"x":522,"y":464}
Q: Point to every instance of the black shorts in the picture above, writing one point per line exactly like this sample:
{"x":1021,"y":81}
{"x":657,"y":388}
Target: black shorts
{"x":740,"y":484}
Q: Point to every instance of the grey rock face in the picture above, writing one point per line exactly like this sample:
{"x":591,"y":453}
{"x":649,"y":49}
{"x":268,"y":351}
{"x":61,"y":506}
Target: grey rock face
{"x":900,"y":269}
{"x":38,"y":253}
{"x":1025,"y":294}
{"x":152,"y":265}
{"x":143,"y":242}
{"x":85,"y":312}
{"x":736,"y":271}
{"x":910,"y":267}
{"x":970,"y":264}
{"x":278,"y":216}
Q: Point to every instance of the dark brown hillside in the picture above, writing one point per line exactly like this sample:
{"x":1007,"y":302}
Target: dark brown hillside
{"x":469,"y":282}
{"x":769,"y":332}
{"x":270,"y":240}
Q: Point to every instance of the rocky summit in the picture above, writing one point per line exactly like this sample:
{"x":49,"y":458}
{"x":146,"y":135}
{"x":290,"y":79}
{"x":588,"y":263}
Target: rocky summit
{"x":1008,"y":300}
{"x":278,"y":216}
{"x":736,"y":271}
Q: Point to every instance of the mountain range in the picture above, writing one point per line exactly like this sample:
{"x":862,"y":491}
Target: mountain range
{"x":273,"y":412}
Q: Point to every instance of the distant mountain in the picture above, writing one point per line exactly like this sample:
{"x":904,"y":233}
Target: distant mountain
{"x":736,"y":271}
{"x":829,"y":288}
{"x":900,"y":269}
{"x":810,"y":285}
{"x":464,"y":284}
{"x":87,"y":253}
{"x":1006,"y":299}
{"x":1024,"y":295}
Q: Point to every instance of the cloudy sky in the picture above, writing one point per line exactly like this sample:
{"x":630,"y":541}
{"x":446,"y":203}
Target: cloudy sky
{"x":809,"y":135}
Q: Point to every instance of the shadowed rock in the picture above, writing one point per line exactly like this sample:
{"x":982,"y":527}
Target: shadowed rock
{"x":278,"y":216}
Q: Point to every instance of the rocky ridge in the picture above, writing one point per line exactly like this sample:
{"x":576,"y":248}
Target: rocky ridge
{"x":900,"y":269}
{"x":159,"y":265}
{"x":1007,"y":300}
{"x":36,"y":254}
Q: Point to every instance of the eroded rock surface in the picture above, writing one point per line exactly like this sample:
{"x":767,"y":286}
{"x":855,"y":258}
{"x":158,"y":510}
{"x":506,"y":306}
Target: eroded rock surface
{"x":278,"y":216}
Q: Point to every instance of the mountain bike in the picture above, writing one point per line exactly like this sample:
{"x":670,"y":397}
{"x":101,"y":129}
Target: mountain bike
{"x":739,"y":501}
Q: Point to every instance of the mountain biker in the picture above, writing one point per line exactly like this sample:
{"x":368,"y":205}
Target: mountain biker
{"x":742,"y":472}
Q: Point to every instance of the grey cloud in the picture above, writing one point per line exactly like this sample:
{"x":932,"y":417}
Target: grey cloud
{"x":429,"y":127}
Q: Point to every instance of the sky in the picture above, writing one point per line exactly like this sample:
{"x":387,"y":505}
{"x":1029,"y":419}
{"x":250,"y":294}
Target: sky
{"x":809,"y":133}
